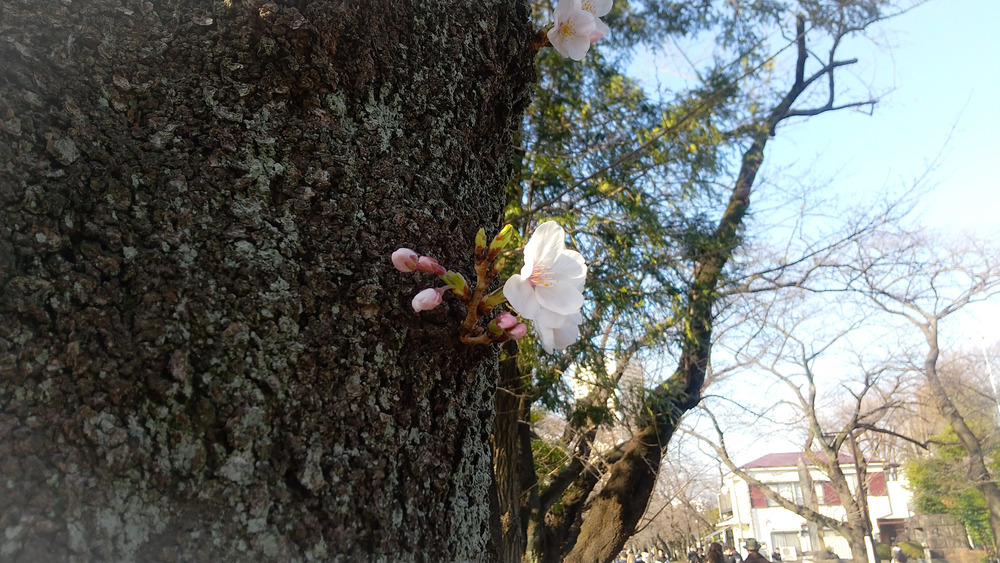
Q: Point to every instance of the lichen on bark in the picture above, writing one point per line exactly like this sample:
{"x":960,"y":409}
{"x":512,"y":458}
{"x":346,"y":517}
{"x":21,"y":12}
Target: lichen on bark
{"x":205,"y":353}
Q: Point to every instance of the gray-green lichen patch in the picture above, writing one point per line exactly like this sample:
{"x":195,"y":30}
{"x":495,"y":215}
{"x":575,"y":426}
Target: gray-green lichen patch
{"x":383,"y":116}
{"x":205,"y":352}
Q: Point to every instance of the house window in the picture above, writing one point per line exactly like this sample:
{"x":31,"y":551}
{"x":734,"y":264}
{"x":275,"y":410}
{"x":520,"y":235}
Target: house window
{"x":876,"y":485}
{"x":785,"y":539}
{"x":791,"y":492}
{"x":827,"y":494}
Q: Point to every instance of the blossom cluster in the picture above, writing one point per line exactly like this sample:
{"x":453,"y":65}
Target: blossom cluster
{"x":578,"y":25}
{"x":478,"y":301}
{"x":548,"y":290}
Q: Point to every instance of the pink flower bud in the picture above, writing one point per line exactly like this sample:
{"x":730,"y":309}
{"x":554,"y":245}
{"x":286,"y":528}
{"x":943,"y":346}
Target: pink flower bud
{"x":506,"y":321}
{"x":596,"y":35}
{"x":518,"y":331}
{"x":427,"y":299}
{"x":405,"y":260}
{"x":430,"y":266}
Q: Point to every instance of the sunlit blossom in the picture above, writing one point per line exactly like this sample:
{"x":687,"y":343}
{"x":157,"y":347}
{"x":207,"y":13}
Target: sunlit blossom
{"x":571,"y":33}
{"x":549,"y":288}
{"x":599,"y":8}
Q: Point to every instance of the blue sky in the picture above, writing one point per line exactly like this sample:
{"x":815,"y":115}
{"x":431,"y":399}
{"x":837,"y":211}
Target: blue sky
{"x":938,"y":69}
{"x":936,"y":72}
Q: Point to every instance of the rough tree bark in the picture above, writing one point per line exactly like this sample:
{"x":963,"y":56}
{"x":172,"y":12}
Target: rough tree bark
{"x":205,"y":353}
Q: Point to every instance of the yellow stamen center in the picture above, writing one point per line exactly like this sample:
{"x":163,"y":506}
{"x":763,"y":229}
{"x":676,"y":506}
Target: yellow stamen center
{"x":540,"y":275}
{"x":567,"y":29}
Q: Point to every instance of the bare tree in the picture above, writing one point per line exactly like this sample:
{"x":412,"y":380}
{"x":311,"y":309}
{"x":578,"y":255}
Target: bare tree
{"x":795,"y":341}
{"x":681,"y":510}
{"x":922,"y":280}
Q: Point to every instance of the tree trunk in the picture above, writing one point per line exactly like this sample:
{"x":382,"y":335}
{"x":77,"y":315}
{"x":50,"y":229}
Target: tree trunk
{"x":513,"y":467}
{"x":206,"y":353}
{"x":621,"y":503}
{"x":979,"y":474}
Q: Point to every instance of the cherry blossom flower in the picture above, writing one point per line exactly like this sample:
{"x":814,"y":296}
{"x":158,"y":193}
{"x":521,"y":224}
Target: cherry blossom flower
{"x":599,"y":8}
{"x":571,"y":33}
{"x":427,"y":299}
{"x":405,"y":260}
{"x":549,"y":289}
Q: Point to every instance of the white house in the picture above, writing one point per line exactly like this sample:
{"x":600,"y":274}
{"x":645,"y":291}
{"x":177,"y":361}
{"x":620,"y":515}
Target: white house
{"x":746,"y":513}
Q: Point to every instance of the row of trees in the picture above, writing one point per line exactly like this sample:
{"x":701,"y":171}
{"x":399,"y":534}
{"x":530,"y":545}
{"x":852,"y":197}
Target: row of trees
{"x":853,"y":360}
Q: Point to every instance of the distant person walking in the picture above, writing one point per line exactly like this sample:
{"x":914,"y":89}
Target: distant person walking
{"x":715,"y":554}
{"x":776,"y":555}
{"x":897,"y":554}
{"x":753,"y":555}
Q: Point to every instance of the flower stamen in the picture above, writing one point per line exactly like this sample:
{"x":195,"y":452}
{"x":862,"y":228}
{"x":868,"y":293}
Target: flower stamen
{"x":540,"y":275}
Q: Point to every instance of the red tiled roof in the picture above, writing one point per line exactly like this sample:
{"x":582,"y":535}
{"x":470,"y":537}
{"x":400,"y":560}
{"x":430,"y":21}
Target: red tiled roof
{"x":791,"y":459}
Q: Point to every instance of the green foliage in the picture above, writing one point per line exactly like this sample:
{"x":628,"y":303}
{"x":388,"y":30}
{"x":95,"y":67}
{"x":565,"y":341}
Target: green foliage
{"x":548,"y":456}
{"x":941,"y":486}
{"x":912,"y":549}
{"x":634,"y":181}
{"x":639,"y":181}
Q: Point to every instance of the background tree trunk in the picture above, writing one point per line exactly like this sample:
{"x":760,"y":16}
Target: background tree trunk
{"x":977,"y":471}
{"x":206,"y":354}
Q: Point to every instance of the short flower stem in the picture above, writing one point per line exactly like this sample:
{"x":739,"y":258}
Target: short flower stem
{"x":541,"y":39}
{"x":472,"y":317}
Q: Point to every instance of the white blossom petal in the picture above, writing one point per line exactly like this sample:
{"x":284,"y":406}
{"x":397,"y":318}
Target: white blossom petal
{"x":565,"y":8}
{"x":570,"y":267}
{"x":599,"y":8}
{"x":551,"y":319}
{"x":563,"y":337}
{"x":562,"y":298}
{"x":600,"y":30}
{"x":545,"y":243}
{"x":547,"y":336}
{"x":521,"y":296}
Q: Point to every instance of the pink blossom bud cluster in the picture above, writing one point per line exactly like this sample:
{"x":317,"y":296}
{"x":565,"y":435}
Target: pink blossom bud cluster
{"x":510,"y":325}
{"x":479,"y":299}
{"x":406,"y":260}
